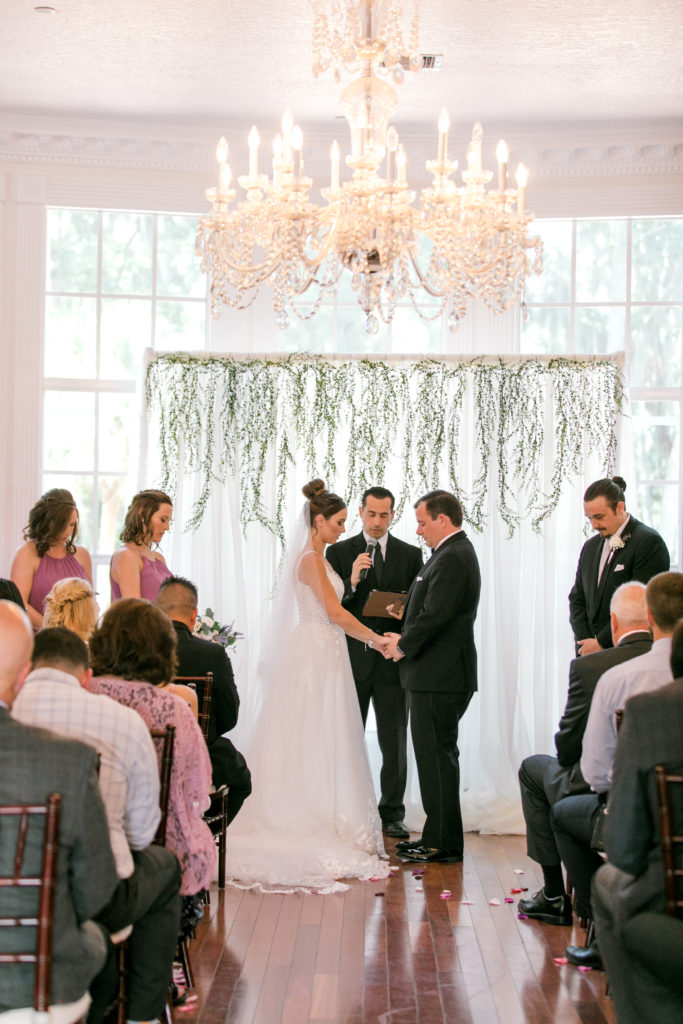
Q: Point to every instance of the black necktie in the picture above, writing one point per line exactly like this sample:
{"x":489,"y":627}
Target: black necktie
{"x":378,"y":563}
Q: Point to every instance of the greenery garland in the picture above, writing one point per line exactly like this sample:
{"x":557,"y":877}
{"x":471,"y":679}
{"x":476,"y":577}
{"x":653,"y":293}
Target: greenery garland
{"x":483,"y":419}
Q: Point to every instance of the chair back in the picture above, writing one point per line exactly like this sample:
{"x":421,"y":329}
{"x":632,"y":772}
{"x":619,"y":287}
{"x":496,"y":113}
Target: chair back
{"x":44,"y":883}
{"x":203,"y":686}
{"x":670,"y":806}
{"x":167,"y":739}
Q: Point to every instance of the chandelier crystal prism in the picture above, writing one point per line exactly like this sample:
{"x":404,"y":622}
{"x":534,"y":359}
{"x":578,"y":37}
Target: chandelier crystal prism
{"x":463,"y":242}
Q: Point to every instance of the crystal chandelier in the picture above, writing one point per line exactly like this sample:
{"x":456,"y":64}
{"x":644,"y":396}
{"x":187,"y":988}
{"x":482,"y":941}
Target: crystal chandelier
{"x":463,"y":242}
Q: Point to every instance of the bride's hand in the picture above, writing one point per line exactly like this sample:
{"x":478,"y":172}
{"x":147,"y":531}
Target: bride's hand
{"x":380,"y":643}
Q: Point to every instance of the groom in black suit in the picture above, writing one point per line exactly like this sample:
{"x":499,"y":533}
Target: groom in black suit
{"x":394,"y":566}
{"x":623,"y":549}
{"x":438,"y":664}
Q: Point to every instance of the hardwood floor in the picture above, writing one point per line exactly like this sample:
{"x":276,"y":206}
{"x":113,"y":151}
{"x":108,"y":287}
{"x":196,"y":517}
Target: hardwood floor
{"x":387,"y":953}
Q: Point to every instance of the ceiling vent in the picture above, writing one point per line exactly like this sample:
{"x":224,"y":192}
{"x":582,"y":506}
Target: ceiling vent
{"x":430,"y":62}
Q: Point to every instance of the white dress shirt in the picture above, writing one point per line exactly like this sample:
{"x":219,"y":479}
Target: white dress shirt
{"x":639,"y":675}
{"x":129,"y":774}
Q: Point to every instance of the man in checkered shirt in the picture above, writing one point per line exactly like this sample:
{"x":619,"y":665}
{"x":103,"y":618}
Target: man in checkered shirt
{"x":54,"y":697}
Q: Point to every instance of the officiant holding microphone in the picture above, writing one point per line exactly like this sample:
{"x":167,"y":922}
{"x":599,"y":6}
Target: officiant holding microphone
{"x":375,"y":560}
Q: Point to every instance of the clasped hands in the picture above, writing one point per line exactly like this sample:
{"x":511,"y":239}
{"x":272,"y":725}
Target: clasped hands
{"x":387,"y":646}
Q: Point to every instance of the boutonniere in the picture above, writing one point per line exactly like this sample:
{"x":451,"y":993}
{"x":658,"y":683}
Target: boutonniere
{"x":616,"y":542}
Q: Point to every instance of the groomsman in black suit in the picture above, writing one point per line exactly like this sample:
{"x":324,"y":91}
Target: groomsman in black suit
{"x":622,"y":550}
{"x":393,"y":565}
{"x":438,"y":665}
{"x":196,"y":656}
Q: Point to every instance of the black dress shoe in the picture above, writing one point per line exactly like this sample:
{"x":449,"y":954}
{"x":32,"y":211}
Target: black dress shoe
{"x":408,"y":844}
{"x":585,"y":956}
{"x":429,"y":855}
{"x":556,"y":910}
{"x":395,"y":829}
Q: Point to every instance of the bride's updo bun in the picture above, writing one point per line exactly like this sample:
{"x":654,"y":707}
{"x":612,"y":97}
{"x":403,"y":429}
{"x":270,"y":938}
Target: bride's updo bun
{"x":321,"y":501}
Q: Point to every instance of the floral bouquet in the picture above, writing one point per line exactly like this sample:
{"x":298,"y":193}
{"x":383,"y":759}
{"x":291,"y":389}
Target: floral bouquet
{"x":208,"y":626}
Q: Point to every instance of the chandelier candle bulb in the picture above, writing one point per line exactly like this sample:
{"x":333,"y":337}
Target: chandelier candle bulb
{"x":502,"y":158}
{"x":253,"y":152}
{"x":297,"y":146}
{"x":401,"y":166}
{"x":474,"y":150}
{"x":522,"y":178}
{"x":287,"y":125}
{"x":444,"y":125}
{"x":224,"y":178}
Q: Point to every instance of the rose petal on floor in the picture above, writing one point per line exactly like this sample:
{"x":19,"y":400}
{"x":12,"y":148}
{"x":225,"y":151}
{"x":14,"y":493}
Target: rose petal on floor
{"x":560,"y":960}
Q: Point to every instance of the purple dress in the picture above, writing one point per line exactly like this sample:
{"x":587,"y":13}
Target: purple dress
{"x":49,"y":571}
{"x":152,"y":575}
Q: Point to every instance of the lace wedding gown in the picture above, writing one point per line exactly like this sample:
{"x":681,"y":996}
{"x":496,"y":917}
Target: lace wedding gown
{"x":312,"y":817}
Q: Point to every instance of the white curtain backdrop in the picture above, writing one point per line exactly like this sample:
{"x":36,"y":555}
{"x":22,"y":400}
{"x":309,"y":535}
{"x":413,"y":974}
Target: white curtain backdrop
{"x":523,"y":636}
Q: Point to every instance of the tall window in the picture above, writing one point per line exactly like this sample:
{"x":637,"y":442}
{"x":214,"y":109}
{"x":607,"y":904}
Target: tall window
{"x":618,"y":284}
{"x":117,"y":283}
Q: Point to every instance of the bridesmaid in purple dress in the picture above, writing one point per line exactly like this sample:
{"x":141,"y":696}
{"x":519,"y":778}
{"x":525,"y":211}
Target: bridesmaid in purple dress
{"x":136,"y":570}
{"x":50,"y":552}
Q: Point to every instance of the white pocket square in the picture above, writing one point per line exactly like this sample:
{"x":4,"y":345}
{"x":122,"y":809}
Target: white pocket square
{"x":618,"y":568}
{"x":418,"y":579}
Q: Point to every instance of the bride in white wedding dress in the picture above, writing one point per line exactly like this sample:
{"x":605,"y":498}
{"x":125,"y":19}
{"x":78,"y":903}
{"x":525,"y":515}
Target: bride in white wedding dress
{"x":312,"y":817}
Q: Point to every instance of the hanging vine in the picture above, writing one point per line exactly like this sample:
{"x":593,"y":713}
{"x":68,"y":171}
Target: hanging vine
{"x":524,"y":426}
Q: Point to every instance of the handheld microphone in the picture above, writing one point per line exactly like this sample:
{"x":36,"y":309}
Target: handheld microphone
{"x":369,"y":550}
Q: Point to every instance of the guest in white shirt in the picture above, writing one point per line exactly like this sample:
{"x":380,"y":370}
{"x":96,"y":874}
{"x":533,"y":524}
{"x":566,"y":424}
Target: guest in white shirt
{"x":147,"y":895}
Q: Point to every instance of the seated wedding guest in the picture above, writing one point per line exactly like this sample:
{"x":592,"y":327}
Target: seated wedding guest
{"x":133,"y":657}
{"x":9,"y":591}
{"x":622,"y":549}
{"x":71,"y":603}
{"x":633,"y":879}
{"x":544,"y":780}
{"x":136,"y":569}
{"x":196,"y":656}
{"x":35,"y":763}
{"x":49,"y":552}
{"x":147,"y":895}
{"x":575,"y":817}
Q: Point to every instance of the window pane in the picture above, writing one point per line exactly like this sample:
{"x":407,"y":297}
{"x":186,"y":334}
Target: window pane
{"x":546,"y":330}
{"x":554,"y":284}
{"x":656,"y":439}
{"x":113,"y":501}
{"x":118,"y":425}
{"x":102,"y":585}
{"x":659,"y":507}
{"x":69,"y":430}
{"x":178,"y":270}
{"x":70,"y":337}
{"x":127,"y":253}
{"x":82,"y":489}
{"x":72,"y":250}
{"x":180,"y":326}
{"x":126,"y":332}
{"x":657,"y":260}
{"x":600,"y":329}
{"x":413,"y":335}
{"x":314,"y":335}
{"x":656,"y":346}
{"x":352,"y":336}
{"x":601,"y":260}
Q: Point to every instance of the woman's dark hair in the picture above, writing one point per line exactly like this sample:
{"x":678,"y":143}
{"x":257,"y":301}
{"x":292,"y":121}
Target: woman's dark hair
{"x":48,"y":519}
{"x":139,"y":514}
{"x":612,"y":488}
{"x":322,"y":502}
{"x":9,"y":591}
{"x":134,"y":640}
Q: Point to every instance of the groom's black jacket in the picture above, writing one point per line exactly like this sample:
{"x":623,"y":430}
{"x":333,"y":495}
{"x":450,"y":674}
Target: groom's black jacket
{"x":401,"y":565}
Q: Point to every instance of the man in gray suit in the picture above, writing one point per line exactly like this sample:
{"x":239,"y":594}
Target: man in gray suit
{"x":544,"y":780}
{"x":633,"y":879}
{"x":35,"y":763}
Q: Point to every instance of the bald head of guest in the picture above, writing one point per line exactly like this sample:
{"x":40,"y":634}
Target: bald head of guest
{"x":664,"y":597}
{"x":16,"y":647}
{"x":178,"y":598}
{"x":628,"y":610}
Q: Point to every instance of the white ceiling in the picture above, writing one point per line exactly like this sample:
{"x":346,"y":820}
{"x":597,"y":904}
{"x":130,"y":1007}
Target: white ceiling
{"x":205,"y":63}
